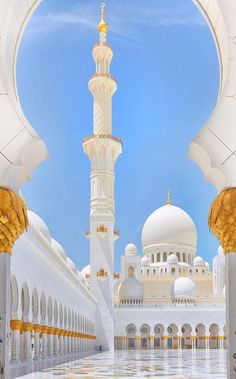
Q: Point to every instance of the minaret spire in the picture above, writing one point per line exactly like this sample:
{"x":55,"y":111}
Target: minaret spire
{"x":102,"y":26}
{"x":168,"y":202}
{"x":103,"y":149}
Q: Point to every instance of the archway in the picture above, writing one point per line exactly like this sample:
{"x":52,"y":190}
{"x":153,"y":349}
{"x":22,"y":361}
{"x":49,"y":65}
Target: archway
{"x":200,"y":334}
{"x":186,"y":336}
{"x":172,"y":340}
{"x":214,"y":336}
{"x":131,"y":331}
{"x":145,"y":336}
{"x":158,"y":336}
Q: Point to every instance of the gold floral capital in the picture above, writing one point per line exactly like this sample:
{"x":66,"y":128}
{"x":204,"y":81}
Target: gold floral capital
{"x":37,"y":328}
{"x":50,"y":330}
{"x":44,"y":329}
{"x":222,"y":219}
{"x":13,"y":219}
{"x":16,"y":324}
{"x":27,"y":327}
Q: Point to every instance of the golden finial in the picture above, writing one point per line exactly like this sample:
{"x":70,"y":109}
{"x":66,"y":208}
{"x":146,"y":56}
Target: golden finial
{"x":168,"y":198}
{"x":102,"y":26}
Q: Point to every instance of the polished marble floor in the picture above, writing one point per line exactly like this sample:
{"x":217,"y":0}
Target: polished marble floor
{"x":170,"y":364}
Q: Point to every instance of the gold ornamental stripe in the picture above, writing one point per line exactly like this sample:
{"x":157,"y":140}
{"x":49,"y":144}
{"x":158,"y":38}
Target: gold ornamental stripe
{"x":44,"y":329}
{"x":50,"y":330}
{"x":16,"y":324}
{"x":27,"y":327}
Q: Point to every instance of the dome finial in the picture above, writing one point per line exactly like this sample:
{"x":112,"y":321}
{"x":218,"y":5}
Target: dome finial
{"x":102,"y":26}
{"x":168,"y":202}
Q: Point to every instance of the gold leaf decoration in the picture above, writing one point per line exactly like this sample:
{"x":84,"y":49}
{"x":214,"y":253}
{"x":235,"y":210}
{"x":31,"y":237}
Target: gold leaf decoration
{"x":13,"y":219}
{"x":222,"y":219}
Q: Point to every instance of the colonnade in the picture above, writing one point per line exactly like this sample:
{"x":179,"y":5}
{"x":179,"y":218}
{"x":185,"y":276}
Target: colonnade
{"x":166,"y":342}
{"x":30,"y":341}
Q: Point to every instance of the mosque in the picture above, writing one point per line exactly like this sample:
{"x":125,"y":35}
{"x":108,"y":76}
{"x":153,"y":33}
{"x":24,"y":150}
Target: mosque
{"x":166,"y":297}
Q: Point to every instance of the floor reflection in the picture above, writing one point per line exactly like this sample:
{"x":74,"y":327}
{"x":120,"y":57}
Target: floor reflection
{"x":170,"y":364}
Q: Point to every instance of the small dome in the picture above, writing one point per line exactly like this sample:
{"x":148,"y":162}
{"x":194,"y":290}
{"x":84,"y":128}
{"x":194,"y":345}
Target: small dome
{"x":131,"y":288}
{"x":198,"y":261}
{"x":145,"y":261}
{"x":169,"y":225}
{"x":86,"y":272}
{"x":130,"y":249}
{"x":172,"y":259}
{"x":36,"y":222}
{"x":72,"y":266}
{"x":183,"y":288}
{"x":220,"y":250}
{"x":58,"y":248}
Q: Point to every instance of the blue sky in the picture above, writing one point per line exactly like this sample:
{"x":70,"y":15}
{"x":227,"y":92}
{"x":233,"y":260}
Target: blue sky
{"x":167,"y":70}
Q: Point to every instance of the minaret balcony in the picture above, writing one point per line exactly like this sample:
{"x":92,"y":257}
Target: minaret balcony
{"x":102,"y":75}
{"x":87,"y":234}
{"x":101,"y":231}
{"x":102,"y":136}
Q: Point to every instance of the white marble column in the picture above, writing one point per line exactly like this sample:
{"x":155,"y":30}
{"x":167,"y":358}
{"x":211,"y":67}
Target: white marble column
{"x":16,"y":326}
{"x":151,"y":342}
{"x":207,"y":339}
{"x":44,"y":341}
{"x":230,"y":260}
{"x":60,"y":336}
{"x":165,"y":342}
{"x":65,"y":343}
{"x":26,"y":329}
{"x":37,"y":329}
{"x":194,"y":337}
{"x":50,"y":341}
{"x":56,"y":341}
{"x":179,"y":342}
{"x":4,"y":313}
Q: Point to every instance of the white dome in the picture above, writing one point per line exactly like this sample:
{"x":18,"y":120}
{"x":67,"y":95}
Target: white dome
{"x":39,"y":225}
{"x":130,"y":288}
{"x":198,"y":261}
{"x":183,"y":288}
{"x":58,"y":248}
{"x":169,"y":225}
{"x":207,"y":265}
{"x":172,"y":259}
{"x":130,"y":249}
{"x":71,"y":264}
{"x":86,"y":272}
{"x":220,"y":250}
{"x":145,"y":261}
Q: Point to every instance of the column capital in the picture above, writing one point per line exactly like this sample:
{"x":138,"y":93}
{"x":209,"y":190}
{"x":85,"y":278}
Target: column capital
{"x":50,"y":330}
{"x":16,"y":324}
{"x":37,"y":328}
{"x":44,"y":329}
{"x":222,"y":219}
{"x":27,"y":327}
{"x":13,"y":219}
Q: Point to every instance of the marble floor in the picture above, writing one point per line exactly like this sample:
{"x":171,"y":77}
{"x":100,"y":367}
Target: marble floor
{"x":172,"y":364}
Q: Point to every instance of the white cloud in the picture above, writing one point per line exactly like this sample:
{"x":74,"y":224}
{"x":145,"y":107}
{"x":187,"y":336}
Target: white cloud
{"x":125,"y":21}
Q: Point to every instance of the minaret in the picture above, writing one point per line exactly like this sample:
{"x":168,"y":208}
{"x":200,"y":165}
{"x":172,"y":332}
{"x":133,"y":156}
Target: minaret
{"x":103,"y":150}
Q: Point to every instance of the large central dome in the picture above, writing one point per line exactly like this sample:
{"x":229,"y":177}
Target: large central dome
{"x":169,"y":225}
